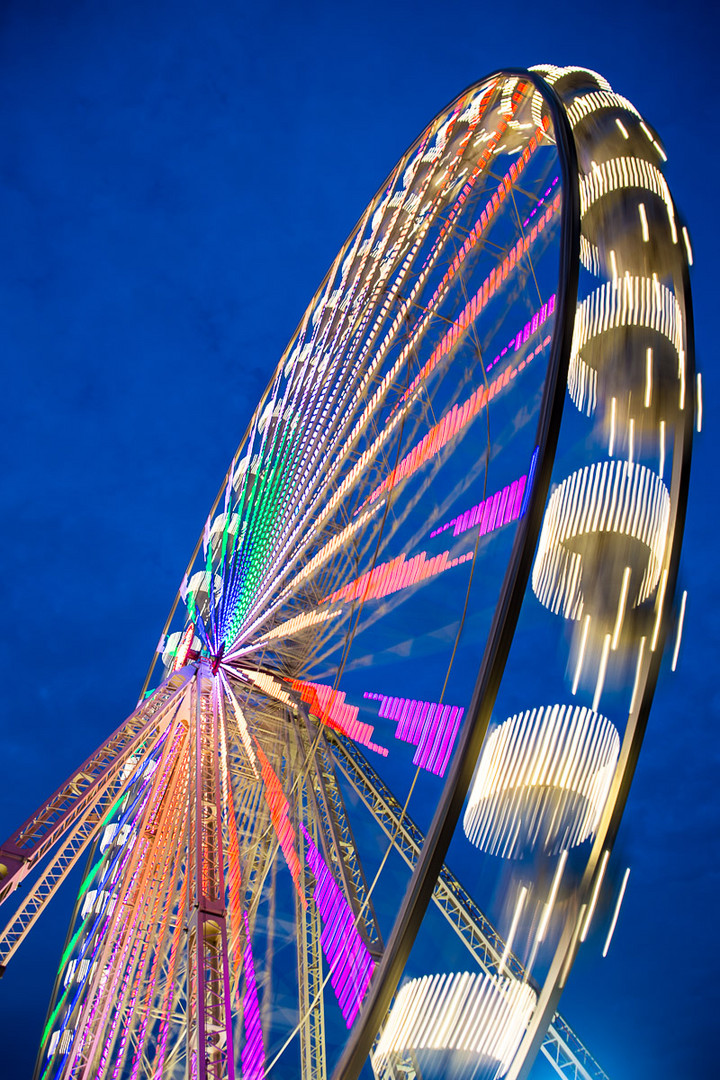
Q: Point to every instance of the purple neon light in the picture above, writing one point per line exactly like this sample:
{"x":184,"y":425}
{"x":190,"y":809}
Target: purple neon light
{"x":529,"y":328}
{"x":540,"y":202}
{"x":351,"y":965}
{"x":430,"y":726}
{"x":253,"y":1052}
{"x":490,"y":514}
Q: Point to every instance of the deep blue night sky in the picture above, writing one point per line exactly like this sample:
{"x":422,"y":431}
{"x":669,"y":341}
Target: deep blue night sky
{"x":175,"y":178}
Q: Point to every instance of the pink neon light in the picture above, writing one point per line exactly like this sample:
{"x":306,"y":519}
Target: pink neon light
{"x":330,"y":707}
{"x":447,"y":428}
{"x":430,"y":726}
{"x":529,"y":328}
{"x":486,"y":291}
{"x":351,"y":965}
{"x":397,"y":574}
{"x":490,"y":514}
{"x":253,"y":1052}
{"x":540,"y":202}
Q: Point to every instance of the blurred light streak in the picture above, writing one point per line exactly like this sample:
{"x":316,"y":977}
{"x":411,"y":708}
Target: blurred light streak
{"x":531,"y":326}
{"x":351,"y":966}
{"x":662,"y":448}
{"x":686,"y":238}
{"x":330,"y":708}
{"x":648,"y":377}
{"x":613,"y":924}
{"x":699,"y":417}
{"x":279,"y":811}
{"x":595,"y":894}
{"x":547,"y":911}
{"x":601,"y":672}
{"x":298,"y":623}
{"x":253,"y":1052}
{"x":638,"y":668}
{"x":390,"y":577}
{"x":513,"y":928}
{"x":581,"y":654}
{"x":451,"y":425}
{"x":678,"y":637}
{"x":644,"y":223}
{"x":621,"y":608}
{"x":658,"y":610}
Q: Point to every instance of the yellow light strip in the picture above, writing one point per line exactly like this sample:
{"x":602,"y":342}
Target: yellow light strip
{"x":678,"y":638}
{"x":601,"y":672}
{"x":552,"y":897}
{"x":621,"y":608}
{"x":595,"y":894}
{"x":617,"y":912}
{"x":581,"y":655}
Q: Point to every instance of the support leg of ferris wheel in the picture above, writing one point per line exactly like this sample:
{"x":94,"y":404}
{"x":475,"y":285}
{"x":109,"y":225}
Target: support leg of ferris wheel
{"x":336,"y":834}
{"x":561,"y":1046}
{"x":313,"y":1063}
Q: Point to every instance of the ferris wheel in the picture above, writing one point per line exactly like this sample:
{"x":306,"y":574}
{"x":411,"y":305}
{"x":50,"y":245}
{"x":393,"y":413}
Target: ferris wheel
{"x":361,"y":820}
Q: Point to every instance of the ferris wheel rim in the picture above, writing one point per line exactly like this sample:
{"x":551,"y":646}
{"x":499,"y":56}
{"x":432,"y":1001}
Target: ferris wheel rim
{"x":497,"y":644}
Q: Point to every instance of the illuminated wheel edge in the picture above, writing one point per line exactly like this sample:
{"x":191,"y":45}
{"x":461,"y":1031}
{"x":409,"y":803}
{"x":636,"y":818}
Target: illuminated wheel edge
{"x":507,"y":611}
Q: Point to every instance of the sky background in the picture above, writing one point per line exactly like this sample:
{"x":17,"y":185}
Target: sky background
{"x":175,"y":179}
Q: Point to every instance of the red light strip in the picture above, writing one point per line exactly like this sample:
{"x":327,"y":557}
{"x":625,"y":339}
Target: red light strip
{"x":452,"y":423}
{"x":488,"y":288}
{"x":397,"y":574}
{"x":330,"y":708}
{"x":279,"y":810}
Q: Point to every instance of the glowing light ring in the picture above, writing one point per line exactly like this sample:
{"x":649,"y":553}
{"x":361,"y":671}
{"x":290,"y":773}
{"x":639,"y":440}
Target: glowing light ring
{"x":625,"y":173}
{"x":542,"y":780}
{"x":466,"y":1012}
{"x":610,"y":497}
{"x":597,"y":101}
{"x":473,"y":730}
{"x":625,"y":302}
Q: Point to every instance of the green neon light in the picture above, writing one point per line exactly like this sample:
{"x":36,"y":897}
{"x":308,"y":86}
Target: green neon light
{"x":56,"y":1010}
{"x":86,"y":883}
{"x":71,"y":946}
{"x":112,"y":809}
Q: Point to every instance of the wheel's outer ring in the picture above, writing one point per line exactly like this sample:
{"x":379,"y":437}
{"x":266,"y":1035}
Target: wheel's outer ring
{"x":502,"y":629}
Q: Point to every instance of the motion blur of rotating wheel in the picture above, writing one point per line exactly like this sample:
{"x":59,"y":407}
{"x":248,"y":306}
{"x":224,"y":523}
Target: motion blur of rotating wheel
{"x":361,"y":820}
